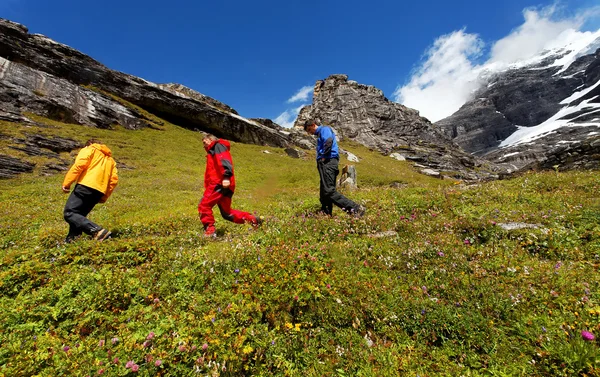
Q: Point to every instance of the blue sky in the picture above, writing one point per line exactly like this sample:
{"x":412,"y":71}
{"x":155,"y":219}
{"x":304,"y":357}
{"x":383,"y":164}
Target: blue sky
{"x":256,"y":55}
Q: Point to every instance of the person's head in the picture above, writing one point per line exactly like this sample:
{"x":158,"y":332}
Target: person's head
{"x":208,"y":139}
{"x":92,"y":141}
{"x":310,"y":126}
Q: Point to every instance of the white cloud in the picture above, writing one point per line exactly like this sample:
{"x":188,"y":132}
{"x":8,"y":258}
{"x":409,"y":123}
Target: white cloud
{"x":287,"y":118}
{"x":448,"y":76}
{"x":301,"y":95}
{"x":450,"y":73}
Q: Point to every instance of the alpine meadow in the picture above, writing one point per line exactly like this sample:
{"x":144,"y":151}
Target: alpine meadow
{"x":439,"y":278}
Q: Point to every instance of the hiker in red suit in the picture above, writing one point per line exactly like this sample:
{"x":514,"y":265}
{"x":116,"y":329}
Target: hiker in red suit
{"x":219,"y":186}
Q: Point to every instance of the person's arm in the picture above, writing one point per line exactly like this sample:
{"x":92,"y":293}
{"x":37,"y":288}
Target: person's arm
{"x":327,"y":135}
{"x":224,"y":158}
{"x":112,"y":183}
{"x":82,"y":161}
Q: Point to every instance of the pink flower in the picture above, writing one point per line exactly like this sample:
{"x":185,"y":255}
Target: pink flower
{"x":116,"y":360}
{"x":181,"y":348}
{"x":129,"y":364}
{"x":146,"y":344}
{"x":66,"y":348}
{"x":101,"y":371}
{"x":157,"y":363}
{"x":101,"y":343}
{"x":204,"y":347}
{"x":586,"y":335}
{"x":135,"y":367}
{"x":156,"y":300}
{"x":151,"y":335}
{"x":328,"y":286}
{"x":114,"y":340}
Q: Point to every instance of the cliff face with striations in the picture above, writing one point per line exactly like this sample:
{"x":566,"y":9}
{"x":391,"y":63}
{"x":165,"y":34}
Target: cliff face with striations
{"x":48,"y":78}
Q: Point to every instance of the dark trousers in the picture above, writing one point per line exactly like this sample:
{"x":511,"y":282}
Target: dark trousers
{"x":81,"y":201}
{"x":328,"y":172}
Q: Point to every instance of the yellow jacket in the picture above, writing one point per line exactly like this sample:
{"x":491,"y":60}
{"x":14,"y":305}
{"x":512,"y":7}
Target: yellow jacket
{"x":95,"y":168}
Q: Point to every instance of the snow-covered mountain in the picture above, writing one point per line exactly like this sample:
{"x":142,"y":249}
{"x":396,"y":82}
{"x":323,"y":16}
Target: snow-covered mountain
{"x":540,"y":111}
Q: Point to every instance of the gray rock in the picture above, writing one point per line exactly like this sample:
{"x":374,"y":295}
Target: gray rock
{"x":430,"y":172}
{"x":516,"y":225}
{"x":348,"y":178}
{"x":295,"y":153}
{"x":362,"y":114}
{"x":52,"y":87}
{"x":12,"y":166}
{"x":397,"y":156}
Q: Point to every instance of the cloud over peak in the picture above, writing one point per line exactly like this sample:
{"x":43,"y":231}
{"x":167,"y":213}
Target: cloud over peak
{"x":301,"y":95}
{"x":450,"y":72}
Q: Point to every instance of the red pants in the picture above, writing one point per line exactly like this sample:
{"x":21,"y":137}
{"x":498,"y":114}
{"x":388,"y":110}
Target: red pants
{"x":221,"y":197}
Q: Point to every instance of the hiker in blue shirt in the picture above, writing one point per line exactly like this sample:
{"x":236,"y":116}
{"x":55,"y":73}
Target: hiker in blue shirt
{"x":328,"y":158}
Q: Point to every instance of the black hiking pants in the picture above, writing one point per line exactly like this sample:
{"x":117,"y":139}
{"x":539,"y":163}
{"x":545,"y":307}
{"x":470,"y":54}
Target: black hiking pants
{"x":328,"y":172}
{"x":81,"y":201}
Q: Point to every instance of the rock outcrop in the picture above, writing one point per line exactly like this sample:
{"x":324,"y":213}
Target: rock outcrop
{"x":51,"y":79}
{"x":364,"y":115}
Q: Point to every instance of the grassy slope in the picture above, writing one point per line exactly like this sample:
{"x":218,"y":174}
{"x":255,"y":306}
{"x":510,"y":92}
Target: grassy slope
{"x":448,"y":293}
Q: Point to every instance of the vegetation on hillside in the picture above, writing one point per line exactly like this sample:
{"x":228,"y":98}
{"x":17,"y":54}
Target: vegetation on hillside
{"x":427,"y":283}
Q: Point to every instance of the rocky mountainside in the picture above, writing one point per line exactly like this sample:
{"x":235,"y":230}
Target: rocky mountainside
{"x":364,"y":115}
{"x":44,"y":77}
{"x":536,"y":114}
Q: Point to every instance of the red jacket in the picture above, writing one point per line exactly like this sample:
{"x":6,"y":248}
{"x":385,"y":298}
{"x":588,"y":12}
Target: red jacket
{"x":219,"y":164}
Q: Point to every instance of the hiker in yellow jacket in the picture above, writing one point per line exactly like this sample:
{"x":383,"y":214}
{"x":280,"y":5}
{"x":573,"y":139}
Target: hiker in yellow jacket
{"x":95,"y":172}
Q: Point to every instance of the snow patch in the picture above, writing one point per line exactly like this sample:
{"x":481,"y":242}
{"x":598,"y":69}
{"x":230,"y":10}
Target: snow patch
{"x":575,"y":96}
{"x":528,"y":134}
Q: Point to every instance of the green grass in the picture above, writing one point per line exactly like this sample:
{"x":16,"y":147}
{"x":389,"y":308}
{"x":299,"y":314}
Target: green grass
{"x":446,"y":293}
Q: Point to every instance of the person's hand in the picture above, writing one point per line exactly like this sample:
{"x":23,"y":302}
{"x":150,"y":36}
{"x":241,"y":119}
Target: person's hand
{"x":66,"y":190}
{"x":226,"y":183}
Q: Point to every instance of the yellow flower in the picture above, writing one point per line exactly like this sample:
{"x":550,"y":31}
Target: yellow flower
{"x":288,"y":325}
{"x":247,"y":349}
{"x":297,"y":327}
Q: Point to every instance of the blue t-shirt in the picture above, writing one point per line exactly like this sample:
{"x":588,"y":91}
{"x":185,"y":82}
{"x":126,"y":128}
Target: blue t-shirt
{"x":326,"y":144}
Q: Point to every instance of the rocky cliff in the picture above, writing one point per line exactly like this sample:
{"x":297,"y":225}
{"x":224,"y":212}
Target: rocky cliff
{"x":364,"y":115}
{"x":532,"y":115}
{"x":41,"y":76}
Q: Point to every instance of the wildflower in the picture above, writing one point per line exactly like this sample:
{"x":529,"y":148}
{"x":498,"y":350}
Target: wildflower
{"x":237,"y":270}
{"x":129,"y":364}
{"x":544,"y":329}
{"x":114,"y":340}
{"x":586,"y":335}
{"x":272,"y":342}
{"x":328,"y":286}
{"x":135,"y":367}
{"x":146,"y":344}
{"x":467,"y":241}
{"x":150,"y":336}
{"x":116,"y":360}
{"x":157,"y":363}
{"x":440,"y":254}
{"x":204,"y":347}
{"x":101,"y":371}
{"x":557,"y":265}
{"x":156,"y":300}
{"x":101,"y":343}
{"x":66,"y":348}
{"x":181,"y":348}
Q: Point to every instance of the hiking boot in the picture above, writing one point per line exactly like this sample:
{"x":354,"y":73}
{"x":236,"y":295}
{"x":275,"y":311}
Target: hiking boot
{"x":210,"y":232}
{"x":256,"y":221}
{"x":102,"y":234}
{"x":359,"y":211}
